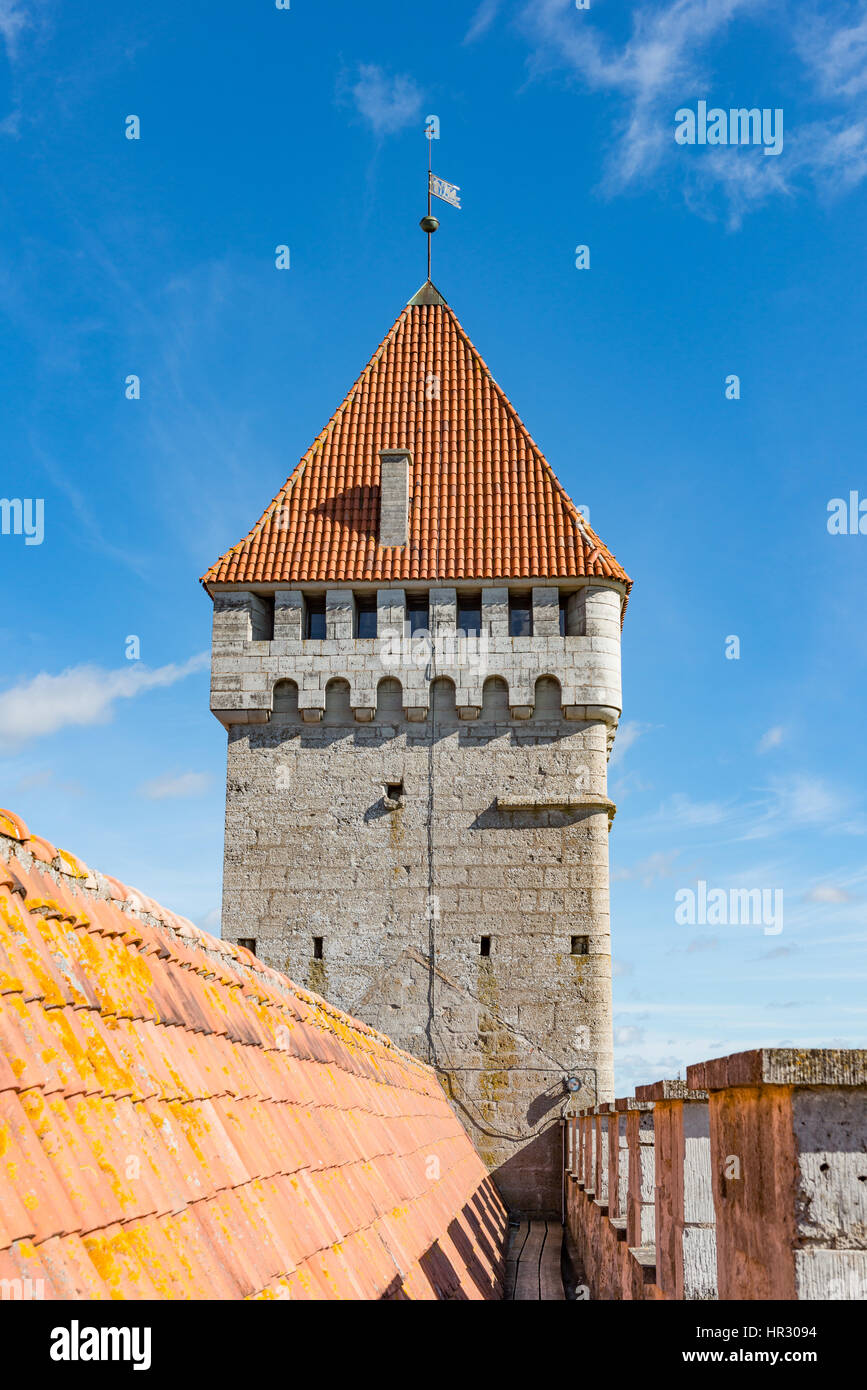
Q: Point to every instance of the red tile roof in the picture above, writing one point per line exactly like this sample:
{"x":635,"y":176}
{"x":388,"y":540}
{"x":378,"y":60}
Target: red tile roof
{"x":177,"y":1120}
{"x":485,"y":502}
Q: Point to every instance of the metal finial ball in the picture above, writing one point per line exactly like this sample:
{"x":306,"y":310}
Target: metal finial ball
{"x":428,"y":224}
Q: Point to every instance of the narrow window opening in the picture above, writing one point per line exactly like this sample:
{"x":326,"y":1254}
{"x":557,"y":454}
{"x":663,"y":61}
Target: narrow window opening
{"x":393,"y":794}
{"x":470,"y":614}
{"x":248,"y":942}
{"x":417,"y":613}
{"x":580,"y":945}
{"x":317,"y":948}
{"x":263,"y":618}
{"x":564,"y":614}
{"x":314,"y":619}
{"x":485,"y":946}
{"x":520,"y":615}
{"x":365,"y":615}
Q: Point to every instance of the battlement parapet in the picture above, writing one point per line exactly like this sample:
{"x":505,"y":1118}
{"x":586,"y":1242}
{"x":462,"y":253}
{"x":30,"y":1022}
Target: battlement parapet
{"x":746,"y":1181}
{"x":259,"y":642}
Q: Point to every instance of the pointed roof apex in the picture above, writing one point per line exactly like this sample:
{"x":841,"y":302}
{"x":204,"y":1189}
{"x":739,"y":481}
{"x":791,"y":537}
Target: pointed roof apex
{"x":484,"y":501}
{"x":428,"y":294}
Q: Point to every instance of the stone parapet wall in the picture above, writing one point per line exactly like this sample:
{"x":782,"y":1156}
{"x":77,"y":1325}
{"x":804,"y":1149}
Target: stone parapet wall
{"x":585,"y":662}
{"x":746,"y":1181}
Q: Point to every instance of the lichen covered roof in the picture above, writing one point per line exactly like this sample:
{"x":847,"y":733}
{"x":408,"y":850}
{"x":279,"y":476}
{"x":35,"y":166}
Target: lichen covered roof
{"x":485,"y":503}
{"x":177,"y":1120}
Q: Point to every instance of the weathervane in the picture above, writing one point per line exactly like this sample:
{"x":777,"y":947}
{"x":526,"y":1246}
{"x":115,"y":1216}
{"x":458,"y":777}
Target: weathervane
{"x":436,"y":187}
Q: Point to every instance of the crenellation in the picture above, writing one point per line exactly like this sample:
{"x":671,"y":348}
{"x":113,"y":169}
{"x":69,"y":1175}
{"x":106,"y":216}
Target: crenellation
{"x":750,"y":1189}
{"x":546,"y":613}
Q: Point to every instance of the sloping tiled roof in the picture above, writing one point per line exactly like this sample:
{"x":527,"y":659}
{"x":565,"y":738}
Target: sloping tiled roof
{"x":485,"y":502}
{"x":179,"y":1121}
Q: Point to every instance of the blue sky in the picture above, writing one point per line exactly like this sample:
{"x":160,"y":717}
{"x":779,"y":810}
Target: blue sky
{"x":304,"y":127}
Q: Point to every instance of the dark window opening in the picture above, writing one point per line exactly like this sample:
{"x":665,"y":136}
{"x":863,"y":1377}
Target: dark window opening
{"x":580,"y":945}
{"x":365,"y":615}
{"x":317,"y":947}
{"x":263,"y":618}
{"x":248,"y":942}
{"x":314,"y":620}
{"x":417,"y":613}
{"x":520,"y":615}
{"x":393,"y":795}
{"x":470,"y":614}
{"x":485,"y":946}
{"x":564,"y":614}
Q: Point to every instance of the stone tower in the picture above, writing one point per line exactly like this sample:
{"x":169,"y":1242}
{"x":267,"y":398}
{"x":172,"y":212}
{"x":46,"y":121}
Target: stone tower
{"x":416,"y":653}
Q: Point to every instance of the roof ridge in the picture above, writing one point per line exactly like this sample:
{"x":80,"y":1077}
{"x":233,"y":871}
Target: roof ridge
{"x":59,"y":864}
{"x":308,"y":454}
{"x":285,"y":1147}
{"x":576,"y":515}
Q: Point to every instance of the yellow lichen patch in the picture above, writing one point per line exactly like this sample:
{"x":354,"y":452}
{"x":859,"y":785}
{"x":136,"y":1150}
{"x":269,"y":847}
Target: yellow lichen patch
{"x":176,"y":1234}
{"x":141,"y":1249}
{"x":52,"y":997}
{"x":12,"y":827}
{"x":103,"y":1251}
{"x":10,"y":984}
{"x":71,"y":1046}
{"x":129,"y":1129}
{"x":191,"y":1124}
{"x":9,"y":912}
{"x":110,"y":1076}
{"x":48,"y":908}
{"x":91,"y":1118}
{"x":72,"y":866}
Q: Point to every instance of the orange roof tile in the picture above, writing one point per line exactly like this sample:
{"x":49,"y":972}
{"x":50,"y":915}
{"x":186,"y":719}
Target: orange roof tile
{"x":177,"y":1120}
{"x":485,"y":503}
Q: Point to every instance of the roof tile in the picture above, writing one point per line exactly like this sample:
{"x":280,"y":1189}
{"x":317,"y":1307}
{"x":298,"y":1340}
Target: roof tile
{"x":484,"y":502}
{"x":178,"y":1120}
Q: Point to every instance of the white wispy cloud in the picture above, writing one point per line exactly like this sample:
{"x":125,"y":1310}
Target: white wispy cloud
{"x":183,"y":785}
{"x":657,"y":865}
{"x":701,"y":943}
{"x":836,"y":54}
{"x":80,"y":695}
{"x":669,"y":53}
{"x":787,"y":804}
{"x":771,"y":739}
{"x":15,"y":17}
{"x":211,"y":921}
{"x":807,"y":800}
{"x":828,"y":893}
{"x":387,"y":102}
{"x":627,"y":734}
{"x":628,"y":1036}
{"x":482,"y":19}
{"x":683,"y":811}
{"x":663,"y":55}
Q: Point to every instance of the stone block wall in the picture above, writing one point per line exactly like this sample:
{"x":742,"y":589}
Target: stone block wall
{"x":426,"y":844}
